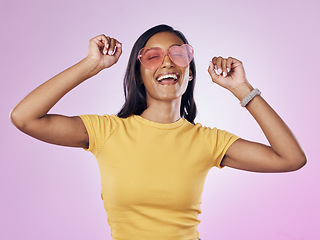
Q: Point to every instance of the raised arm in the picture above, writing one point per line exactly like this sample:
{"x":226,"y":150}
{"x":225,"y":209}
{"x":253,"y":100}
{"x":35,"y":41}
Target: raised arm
{"x":31,"y":114}
{"x":284,"y":153}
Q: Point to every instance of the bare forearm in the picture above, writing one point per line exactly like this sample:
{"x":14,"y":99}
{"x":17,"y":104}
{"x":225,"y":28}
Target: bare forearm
{"x":280,"y":137}
{"x":37,"y":103}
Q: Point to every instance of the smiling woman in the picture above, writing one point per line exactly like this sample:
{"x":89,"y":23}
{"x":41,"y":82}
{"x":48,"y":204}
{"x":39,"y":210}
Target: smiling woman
{"x":156,"y":92}
{"x":134,"y":86}
{"x":152,"y":192}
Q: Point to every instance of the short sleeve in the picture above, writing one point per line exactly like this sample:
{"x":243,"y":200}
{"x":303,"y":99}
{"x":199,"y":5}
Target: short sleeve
{"x":99,"y":129}
{"x":219,"y":142}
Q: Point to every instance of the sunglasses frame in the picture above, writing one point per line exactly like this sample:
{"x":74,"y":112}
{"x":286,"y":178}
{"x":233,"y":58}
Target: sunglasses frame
{"x":165,"y":53}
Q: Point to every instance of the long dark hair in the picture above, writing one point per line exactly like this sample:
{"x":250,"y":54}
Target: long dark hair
{"x":134,"y":91}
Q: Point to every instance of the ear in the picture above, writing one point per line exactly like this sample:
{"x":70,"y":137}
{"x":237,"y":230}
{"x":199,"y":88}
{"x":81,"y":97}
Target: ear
{"x":190,"y":75}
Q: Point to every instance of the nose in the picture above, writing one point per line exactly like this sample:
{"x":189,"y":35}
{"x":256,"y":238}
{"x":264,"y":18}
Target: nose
{"x":167,"y":63}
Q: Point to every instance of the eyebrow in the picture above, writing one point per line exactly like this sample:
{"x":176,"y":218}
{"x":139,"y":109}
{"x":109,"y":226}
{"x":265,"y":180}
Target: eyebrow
{"x":176,"y":45}
{"x":170,"y":45}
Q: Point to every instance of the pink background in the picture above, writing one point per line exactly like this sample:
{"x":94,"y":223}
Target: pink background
{"x":52,"y":192}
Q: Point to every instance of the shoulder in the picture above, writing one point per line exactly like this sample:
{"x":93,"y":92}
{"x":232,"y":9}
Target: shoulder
{"x":101,"y":121}
{"x":213,"y":133}
{"x":198,"y":127}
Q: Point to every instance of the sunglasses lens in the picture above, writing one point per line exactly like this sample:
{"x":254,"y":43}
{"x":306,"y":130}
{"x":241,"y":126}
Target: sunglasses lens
{"x":151,"y":58}
{"x":181,"y":55}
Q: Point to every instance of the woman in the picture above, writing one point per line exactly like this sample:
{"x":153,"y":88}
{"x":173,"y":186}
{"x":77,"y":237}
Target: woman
{"x":152,"y":158}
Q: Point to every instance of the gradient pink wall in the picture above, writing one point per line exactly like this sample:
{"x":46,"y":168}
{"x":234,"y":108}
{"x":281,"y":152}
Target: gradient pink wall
{"x":51,"y":192}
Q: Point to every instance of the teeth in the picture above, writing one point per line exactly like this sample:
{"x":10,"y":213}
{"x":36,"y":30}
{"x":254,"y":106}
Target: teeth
{"x":174,"y":76}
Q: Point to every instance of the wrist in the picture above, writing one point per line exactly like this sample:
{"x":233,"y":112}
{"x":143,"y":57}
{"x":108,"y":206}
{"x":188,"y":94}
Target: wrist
{"x":242,"y":91}
{"x":92,"y":66}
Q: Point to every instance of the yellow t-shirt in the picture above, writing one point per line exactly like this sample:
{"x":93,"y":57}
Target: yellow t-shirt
{"x":152,"y":174}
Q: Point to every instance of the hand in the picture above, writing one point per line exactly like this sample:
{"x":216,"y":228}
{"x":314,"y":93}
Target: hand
{"x":229,"y":73}
{"x":104,"y":51}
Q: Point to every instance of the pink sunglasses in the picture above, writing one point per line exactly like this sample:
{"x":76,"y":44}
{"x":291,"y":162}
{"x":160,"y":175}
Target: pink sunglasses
{"x":152,"y":58}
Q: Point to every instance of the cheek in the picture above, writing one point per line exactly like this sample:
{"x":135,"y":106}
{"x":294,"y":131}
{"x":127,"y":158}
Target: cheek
{"x":145,"y":75}
{"x":186,"y":79}
{"x":186,"y":76}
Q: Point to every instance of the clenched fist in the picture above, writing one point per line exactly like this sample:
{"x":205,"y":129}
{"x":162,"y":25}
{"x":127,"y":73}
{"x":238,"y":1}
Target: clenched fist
{"x":104,"y":51}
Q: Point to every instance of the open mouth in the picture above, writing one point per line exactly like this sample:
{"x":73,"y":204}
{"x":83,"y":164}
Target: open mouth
{"x":168,"y":79}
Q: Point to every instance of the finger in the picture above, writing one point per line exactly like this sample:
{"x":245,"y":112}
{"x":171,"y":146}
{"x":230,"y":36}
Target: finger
{"x":102,"y":42}
{"x":236,"y":63}
{"x":211,"y":68}
{"x":98,"y":41}
{"x":219,"y":67}
{"x":118,"y":51}
{"x":215,"y":77}
{"x":112,"y":46}
{"x":106,"y":46}
{"x":224,"y":67}
{"x":229,"y":63}
{"x":214,"y":62}
{"x":212,"y":71}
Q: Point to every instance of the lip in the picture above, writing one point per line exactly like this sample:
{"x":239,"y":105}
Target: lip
{"x":167,"y":84}
{"x":166,"y":73}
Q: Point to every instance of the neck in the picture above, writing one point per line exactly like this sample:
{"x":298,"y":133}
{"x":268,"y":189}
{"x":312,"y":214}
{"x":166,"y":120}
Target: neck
{"x":163,"y":111}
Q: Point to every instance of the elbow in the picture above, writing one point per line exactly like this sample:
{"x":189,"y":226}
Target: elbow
{"x":303,"y":161}
{"x":298,"y":163}
{"x":16,"y":119}
{"x":12,"y":117}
